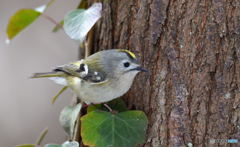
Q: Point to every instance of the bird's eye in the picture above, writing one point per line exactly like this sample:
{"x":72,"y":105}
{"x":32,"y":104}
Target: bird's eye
{"x":126,"y":64}
{"x":81,"y":68}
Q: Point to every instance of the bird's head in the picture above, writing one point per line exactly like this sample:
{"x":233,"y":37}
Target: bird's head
{"x":119,"y":62}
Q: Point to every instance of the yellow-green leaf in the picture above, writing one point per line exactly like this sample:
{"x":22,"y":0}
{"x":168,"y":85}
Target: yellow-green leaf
{"x":26,"y":145}
{"x":20,"y":20}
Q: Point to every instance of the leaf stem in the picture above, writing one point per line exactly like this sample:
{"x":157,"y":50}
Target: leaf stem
{"x":42,"y":136}
{"x":58,"y":94}
{"x":50,"y":19}
{"x":50,"y":3}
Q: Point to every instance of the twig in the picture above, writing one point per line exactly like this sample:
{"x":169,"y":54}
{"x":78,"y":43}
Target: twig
{"x":81,"y":50}
{"x":89,"y":42}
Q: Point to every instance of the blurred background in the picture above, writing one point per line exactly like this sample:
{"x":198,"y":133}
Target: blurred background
{"x":25,"y":104}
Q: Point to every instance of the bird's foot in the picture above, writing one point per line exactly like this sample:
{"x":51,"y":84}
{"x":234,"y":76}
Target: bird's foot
{"x":85,"y":105}
{"x":110,"y":109}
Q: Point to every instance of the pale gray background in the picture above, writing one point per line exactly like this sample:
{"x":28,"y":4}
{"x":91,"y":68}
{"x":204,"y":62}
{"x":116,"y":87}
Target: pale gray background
{"x":25,"y":104}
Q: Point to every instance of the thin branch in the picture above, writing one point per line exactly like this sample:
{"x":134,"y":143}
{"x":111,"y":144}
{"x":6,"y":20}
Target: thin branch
{"x":89,"y":42}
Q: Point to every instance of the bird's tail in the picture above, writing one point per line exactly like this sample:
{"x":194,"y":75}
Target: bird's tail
{"x":47,"y":75}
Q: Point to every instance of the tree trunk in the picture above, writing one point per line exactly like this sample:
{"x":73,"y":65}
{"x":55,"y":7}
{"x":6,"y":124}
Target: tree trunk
{"x":192,"y":49}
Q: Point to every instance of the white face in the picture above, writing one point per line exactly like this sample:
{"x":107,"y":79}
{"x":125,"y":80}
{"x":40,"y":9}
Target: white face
{"x":128,"y":67}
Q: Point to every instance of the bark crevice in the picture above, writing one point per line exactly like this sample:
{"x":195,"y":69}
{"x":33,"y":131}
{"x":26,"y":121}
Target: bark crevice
{"x":192,"y":49}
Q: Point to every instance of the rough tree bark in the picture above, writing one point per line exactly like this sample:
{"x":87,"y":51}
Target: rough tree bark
{"x":192,"y":48}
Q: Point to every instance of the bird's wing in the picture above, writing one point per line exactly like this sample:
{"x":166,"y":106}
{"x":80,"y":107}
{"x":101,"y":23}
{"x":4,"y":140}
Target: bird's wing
{"x":95,"y":77}
{"x":60,"y":71}
{"x":83,"y":71}
{"x":69,"y":69}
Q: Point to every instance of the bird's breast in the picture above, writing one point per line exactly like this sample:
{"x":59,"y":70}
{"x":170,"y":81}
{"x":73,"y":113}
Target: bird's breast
{"x":103,"y":92}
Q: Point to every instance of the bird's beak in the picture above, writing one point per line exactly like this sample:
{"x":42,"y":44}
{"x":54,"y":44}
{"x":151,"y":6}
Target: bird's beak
{"x":139,"y":68}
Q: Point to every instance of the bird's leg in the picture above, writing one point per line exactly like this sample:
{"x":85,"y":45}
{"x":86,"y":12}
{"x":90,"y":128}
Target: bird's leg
{"x":85,"y":105}
{"x":106,"y":105}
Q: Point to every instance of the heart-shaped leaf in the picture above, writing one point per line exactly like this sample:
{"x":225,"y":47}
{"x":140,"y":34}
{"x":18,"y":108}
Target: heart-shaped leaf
{"x":68,"y":118}
{"x":101,"y":129}
{"x":94,"y":107}
{"x":20,"y":20}
{"x":78,"y":23}
{"x":118,"y":105}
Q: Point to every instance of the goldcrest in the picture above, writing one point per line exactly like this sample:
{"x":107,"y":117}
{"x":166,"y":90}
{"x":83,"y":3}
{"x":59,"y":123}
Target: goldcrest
{"x":99,"y":78}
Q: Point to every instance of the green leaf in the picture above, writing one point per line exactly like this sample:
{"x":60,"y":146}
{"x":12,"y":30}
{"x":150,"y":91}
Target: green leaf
{"x":101,"y":129}
{"x":20,"y":20}
{"x":118,"y":105}
{"x":78,"y":23}
{"x":68,"y":118}
{"x":94,"y":107}
{"x":26,"y":145}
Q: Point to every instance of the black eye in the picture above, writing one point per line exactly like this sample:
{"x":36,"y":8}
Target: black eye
{"x":126,"y":64}
{"x":81,"y":68}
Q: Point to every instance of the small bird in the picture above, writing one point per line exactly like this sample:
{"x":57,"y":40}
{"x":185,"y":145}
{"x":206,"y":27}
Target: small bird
{"x":99,"y":78}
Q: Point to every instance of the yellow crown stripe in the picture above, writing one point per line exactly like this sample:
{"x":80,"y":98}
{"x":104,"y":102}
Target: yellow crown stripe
{"x":77,"y":63}
{"x":128,"y":52}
